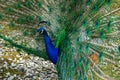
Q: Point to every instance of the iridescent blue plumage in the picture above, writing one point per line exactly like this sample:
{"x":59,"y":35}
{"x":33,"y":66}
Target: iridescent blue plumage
{"x":52,"y":52}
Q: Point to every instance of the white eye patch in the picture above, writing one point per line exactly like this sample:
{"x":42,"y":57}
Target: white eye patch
{"x":42,"y":32}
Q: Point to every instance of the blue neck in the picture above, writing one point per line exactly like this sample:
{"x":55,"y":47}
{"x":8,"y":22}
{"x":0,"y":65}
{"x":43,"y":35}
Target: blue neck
{"x":52,"y":52}
{"x":47,"y":39}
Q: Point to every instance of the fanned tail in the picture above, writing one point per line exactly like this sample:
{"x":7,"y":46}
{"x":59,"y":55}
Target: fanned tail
{"x":87,"y":33}
{"x":91,"y":40}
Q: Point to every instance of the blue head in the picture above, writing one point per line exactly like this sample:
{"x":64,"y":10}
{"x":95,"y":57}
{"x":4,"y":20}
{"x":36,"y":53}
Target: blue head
{"x":41,"y":30}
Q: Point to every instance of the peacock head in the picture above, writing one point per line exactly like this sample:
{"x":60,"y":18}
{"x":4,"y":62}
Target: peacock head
{"x":41,"y":30}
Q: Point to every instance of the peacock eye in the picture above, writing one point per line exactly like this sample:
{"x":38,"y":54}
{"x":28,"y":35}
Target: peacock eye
{"x":40,"y":32}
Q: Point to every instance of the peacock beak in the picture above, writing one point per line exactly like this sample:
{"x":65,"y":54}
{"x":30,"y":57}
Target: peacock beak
{"x":40,"y":32}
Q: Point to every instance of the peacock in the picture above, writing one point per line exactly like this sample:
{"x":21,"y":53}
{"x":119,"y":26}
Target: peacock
{"x":77,"y":36}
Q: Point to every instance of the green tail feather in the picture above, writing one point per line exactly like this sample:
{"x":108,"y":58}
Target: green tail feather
{"x":78,"y":28}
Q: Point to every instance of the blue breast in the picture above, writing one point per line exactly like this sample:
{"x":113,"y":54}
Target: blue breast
{"x":52,"y":52}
